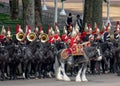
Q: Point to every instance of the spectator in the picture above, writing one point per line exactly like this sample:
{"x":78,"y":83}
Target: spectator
{"x":69,"y":22}
{"x":80,"y":23}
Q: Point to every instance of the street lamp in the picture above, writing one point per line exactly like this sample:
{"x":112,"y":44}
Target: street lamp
{"x":56,"y":10}
{"x":44,"y":7}
{"x":62,"y":11}
{"x":108,"y":13}
{"x":83,"y":3}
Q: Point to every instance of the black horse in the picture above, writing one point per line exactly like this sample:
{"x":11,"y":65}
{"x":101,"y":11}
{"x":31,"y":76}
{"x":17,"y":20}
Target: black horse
{"x":117,"y":60}
{"x":49,"y":53}
{"x":27,"y":57}
{"x":108,"y":56}
{"x":15,"y":60}
{"x":4,"y":58}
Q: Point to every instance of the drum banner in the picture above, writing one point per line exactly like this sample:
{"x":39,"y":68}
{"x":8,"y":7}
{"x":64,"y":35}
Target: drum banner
{"x":78,"y":48}
{"x":65,"y":53}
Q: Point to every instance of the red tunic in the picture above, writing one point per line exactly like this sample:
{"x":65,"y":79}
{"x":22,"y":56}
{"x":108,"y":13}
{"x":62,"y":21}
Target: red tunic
{"x":64,"y":38}
{"x":57,"y":37}
{"x":72,"y":42}
{"x":51,"y":39}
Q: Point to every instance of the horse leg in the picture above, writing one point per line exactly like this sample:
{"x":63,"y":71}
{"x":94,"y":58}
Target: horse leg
{"x":58,"y":73}
{"x":28,"y":69}
{"x":83,"y":76}
{"x":3,"y":71}
{"x":78,"y":78}
{"x":11,"y":66}
{"x":36,"y":70}
{"x":23,"y":65}
{"x":65,"y":77}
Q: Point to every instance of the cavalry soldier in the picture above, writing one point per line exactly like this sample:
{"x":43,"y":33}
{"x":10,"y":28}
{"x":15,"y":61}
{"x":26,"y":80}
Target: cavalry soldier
{"x":51,"y":34}
{"x":96,"y":34}
{"x":78,"y":36}
{"x":116,"y":35}
{"x":83,"y":34}
{"x":106,"y":35}
{"x":106,"y":40}
{"x":65,"y":37}
{"x":89,"y":36}
{"x":102,"y":31}
{"x":73,"y":40}
{"x":36,"y":30}
{"x":40,"y":32}
{"x":8,"y":40}
{"x":96,"y":40}
{"x":57,"y":34}
{"x":2,"y":35}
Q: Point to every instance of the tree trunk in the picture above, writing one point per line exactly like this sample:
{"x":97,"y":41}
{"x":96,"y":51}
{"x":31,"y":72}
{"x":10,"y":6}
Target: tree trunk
{"x":87,"y":12}
{"x":14,"y":9}
{"x":38,"y":12}
{"x":97,"y":13}
{"x":29,"y":13}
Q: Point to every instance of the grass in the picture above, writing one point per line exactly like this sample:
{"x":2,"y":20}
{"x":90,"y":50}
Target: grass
{"x":6,"y":21}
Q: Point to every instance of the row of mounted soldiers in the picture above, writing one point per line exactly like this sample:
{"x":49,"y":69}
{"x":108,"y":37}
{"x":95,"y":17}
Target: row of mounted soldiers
{"x":70,"y":35}
{"x":30,"y":39}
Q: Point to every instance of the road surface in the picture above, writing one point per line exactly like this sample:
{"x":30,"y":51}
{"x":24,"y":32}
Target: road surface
{"x":94,"y":80}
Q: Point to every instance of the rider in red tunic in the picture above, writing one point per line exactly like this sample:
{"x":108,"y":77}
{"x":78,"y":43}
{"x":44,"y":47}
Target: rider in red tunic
{"x":73,"y":40}
{"x":65,"y":37}
{"x":57,"y":34}
{"x":51,"y":36}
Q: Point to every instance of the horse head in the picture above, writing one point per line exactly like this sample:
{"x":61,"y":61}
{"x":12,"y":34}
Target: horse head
{"x":93,"y":53}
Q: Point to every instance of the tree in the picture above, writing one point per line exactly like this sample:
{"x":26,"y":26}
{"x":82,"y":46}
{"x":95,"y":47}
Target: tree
{"x":87,"y":12}
{"x":29,"y":13}
{"x":97,"y":13}
{"x":93,"y":12}
{"x":14,"y":8}
{"x":38,"y":12}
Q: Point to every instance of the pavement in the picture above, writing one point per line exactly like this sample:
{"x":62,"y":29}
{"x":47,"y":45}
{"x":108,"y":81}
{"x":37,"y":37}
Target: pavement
{"x":94,"y":80}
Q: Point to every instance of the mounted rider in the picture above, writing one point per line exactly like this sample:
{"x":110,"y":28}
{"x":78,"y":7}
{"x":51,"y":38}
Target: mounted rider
{"x":65,"y":37}
{"x":57,"y":37}
{"x":116,"y":35}
{"x":2,"y":35}
{"x":106,"y":35}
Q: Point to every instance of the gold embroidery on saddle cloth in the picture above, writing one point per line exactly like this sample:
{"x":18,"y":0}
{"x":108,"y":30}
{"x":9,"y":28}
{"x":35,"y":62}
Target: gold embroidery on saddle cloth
{"x":78,"y":48}
{"x":75,"y":50}
{"x":64,"y":54}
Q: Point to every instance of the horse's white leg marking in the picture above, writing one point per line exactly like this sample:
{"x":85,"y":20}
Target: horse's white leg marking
{"x":78,"y":78}
{"x":65,"y":77}
{"x":58,"y":74}
{"x":84,"y":73}
{"x":24,"y":75}
{"x":100,"y":57}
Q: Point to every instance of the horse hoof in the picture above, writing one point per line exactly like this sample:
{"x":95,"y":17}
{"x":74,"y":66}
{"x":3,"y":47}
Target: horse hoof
{"x":66,"y":79}
{"x":59,"y":78}
{"x":78,"y":80}
{"x":84,"y":80}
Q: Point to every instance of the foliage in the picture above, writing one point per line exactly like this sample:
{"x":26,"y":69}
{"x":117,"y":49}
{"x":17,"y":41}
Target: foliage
{"x":1,"y":5}
{"x":6,"y":21}
{"x":106,"y":1}
{"x":63,"y":0}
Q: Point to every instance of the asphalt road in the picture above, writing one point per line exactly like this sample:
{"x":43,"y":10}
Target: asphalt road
{"x":94,"y":80}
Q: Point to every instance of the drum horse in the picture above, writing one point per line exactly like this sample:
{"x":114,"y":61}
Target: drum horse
{"x":81,"y":54}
